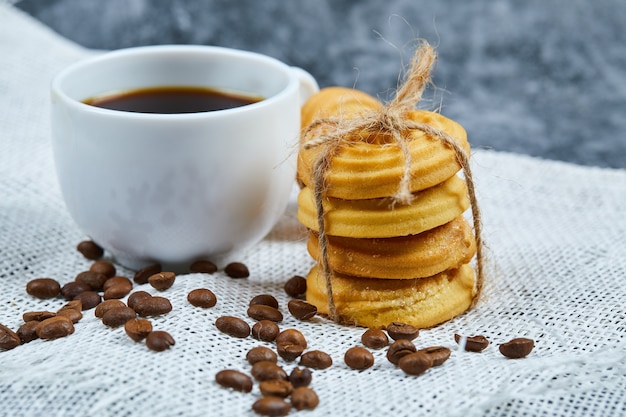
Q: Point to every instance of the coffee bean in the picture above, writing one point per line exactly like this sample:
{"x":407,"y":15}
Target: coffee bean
{"x":103,"y":267}
{"x":116,"y":292}
{"x":358,"y":358}
{"x":27,"y":332}
{"x":73,"y":305}
{"x":107,"y":305}
{"x":263,"y":312}
{"x":43,"y":288}
{"x":303,"y":398}
{"x":54,"y":328}
{"x":264,"y":299}
{"x":90,"y":299}
{"x":271,"y":406}
{"x":73,"y":288}
{"x":137,"y":296}
{"x":141,"y":276}
{"x":8,"y":338}
{"x":70,"y":313}
{"x":399,"y":331}
{"x":118,"y":316}
{"x":90,"y":250}
{"x":517,"y":348}
{"x":316,"y":359}
{"x":202,"y":267}
{"x":202,"y":297}
{"x":266,"y":370}
{"x":233,"y":326}
{"x":301,"y":309}
{"x":415,"y":363}
{"x":473,"y":343}
{"x":265,"y":330}
{"x":138,"y":329}
{"x":95,"y":280}
{"x":438,"y":354}
{"x":374,"y":339}
{"x":290,"y":344}
{"x":118,"y":280}
{"x":37,"y":315}
{"x":276,"y":387}
{"x":236,"y":380}
{"x":159,"y":341}
{"x":295,"y":286}
{"x":261,"y":353}
{"x":237,"y":270}
{"x":153,"y":306}
{"x":300,"y":377}
{"x":398,"y":349}
{"x":162,"y":280}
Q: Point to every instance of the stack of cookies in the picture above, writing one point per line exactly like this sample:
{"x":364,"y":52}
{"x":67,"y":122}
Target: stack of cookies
{"x":389,"y":261}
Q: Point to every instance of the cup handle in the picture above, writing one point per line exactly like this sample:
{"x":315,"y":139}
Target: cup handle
{"x":308,"y":85}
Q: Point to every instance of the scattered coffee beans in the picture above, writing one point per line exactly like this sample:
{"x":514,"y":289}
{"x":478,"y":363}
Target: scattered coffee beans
{"x":415,"y":363}
{"x":90,"y":250}
{"x":300,"y":377}
{"x":107,"y":305}
{"x":138,"y":329}
{"x":398,"y":349}
{"x":230,"y":378}
{"x":162,"y":280}
{"x":359,"y":358}
{"x":517,"y":348}
{"x":296,"y":286}
{"x":202,"y":297}
{"x":264,"y":312}
{"x":137,"y":296}
{"x":261,"y":353}
{"x":159,"y":341}
{"x":303,"y":398}
{"x":237,"y":270}
{"x":266,"y":370}
{"x":374,"y":339}
{"x":290,"y":344}
{"x":265,"y":330}
{"x":271,"y":406}
{"x":276,"y":387}
{"x":301,"y":309}
{"x":8,"y":338}
{"x":316,"y":359}
{"x":70,"y":290}
{"x":118,"y":316}
{"x":141,"y":276}
{"x":95,"y":280}
{"x":54,"y":328}
{"x":153,"y":306}
{"x":438,"y":354}
{"x":90,"y":299}
{"x":264,"y":299}
{"x":202,"y":267}
{"x":27,"y":331}
{"x":399,"y":331}
{"x":233,"y":326}
{"x":473,"y":343}
{"x":37,"y":315}
{"x":43,"y":288}
{"x":104,"y":268}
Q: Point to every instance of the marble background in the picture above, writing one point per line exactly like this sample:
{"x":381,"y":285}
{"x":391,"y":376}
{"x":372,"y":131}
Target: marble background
{"x":541,"y":77}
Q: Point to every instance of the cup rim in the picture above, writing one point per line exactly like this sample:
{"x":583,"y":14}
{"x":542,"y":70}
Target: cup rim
{"x":59,"y":78}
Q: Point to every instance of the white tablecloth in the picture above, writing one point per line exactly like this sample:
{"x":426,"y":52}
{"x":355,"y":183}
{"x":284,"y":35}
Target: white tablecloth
{"x":556,"y":238}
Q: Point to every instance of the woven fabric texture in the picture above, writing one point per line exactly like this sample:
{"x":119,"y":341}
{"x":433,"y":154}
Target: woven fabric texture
{"x":556,"y":272}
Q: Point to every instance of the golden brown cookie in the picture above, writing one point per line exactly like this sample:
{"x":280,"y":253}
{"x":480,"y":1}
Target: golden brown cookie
{"x":337,"y":102}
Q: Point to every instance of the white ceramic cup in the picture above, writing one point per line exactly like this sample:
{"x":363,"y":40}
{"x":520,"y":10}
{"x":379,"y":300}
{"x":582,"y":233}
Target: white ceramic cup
{"x":175,"y":188}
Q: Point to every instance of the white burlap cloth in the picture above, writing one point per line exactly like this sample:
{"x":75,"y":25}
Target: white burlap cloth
{"x":556,"y":238}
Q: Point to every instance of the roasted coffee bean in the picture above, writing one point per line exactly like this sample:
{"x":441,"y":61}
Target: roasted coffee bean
{"x":316,"y":359}
{"x":301,"y":309}
{"x":70,"y":313}
{"x":276,"y":387}
{"x":290,"y":344}
{"x":107,"y":305}
{"x":236,"y":380}
{"x":162,"y":280}
{"x":153,"y":306}
{"x":138,"y":329}
{"x":271,"y":406}
{"x":27,"y":332}
{"x":303,"y":398}
{"x":264,"y":299}
{"x":300,"y":377}
{"x":263,"y":312}
{"x":374,"y":339}
{"x":43,"y":288}
{"x":73,"y":288}
{"x":137,"y":296}
{"x":266,"y":370}
{"x":94,"y":279}
{"x":116,"y":292}
{"x":517,"y":348}
{"x":233,"y":326}
{"x":141,"y":276}
{"x":118,"y":316}
{"x":73,"y":305}
{"x":295,"y":286}
{"x":358,"y":358}
{"x":398,"y":349}
{"x":90,"y":299}
{"x":90,"y":250}
{"x":202,"y":297}
{"x":415,"y":363}
{"x":202,"y":267}
{"x":473,"y":343}
{"x":54,"y":328}
{"x":159,"y":341}
{"x":104,"y":268}
{"x":117,"y":280}
{"x":261,"y":353}
{"x":37,"y":315}
{"x":399,"y":331}
{"x":237,"y":270}
{"x":438,"y":354}
{"x":8,"y":338}
{"x":265,"y":330}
